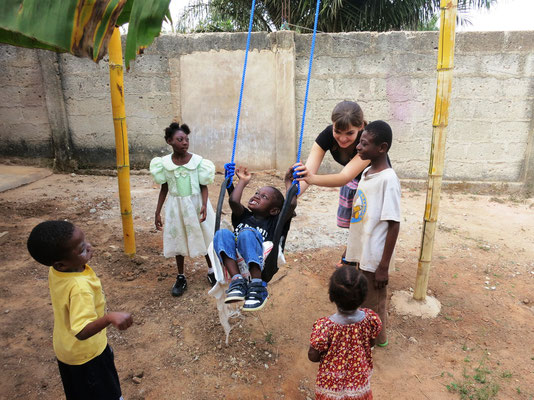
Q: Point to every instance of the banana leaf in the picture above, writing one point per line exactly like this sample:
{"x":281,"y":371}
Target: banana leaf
{"x":80,"y":27}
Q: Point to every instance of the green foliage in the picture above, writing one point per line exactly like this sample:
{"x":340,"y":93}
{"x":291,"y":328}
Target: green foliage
{"x":144,"y":25}
{"x":215,"y":26}
{"x":335,"y":15}
{"x":479,"y":386}
{"x":430,"y":25}
{"x":80,"y":27}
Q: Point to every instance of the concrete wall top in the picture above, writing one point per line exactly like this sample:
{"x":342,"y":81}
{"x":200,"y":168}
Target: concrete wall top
{"x":196,"y":78}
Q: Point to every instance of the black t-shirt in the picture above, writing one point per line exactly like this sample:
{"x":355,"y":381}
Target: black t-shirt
{"x":327,"y":142}
{"x":265,"y":226}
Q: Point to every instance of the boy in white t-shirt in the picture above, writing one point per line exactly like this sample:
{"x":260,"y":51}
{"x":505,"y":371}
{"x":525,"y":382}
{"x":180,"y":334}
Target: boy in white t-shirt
{"x":375,"y":220}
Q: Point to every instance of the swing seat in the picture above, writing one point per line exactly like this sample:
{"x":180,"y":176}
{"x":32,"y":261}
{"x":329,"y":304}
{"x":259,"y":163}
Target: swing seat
{"x":221,"y":275}
{"x":230,"y":311}
{"x":270,"y":264}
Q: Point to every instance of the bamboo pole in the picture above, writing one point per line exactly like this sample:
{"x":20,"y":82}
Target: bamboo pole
{"x":439,"y":136}
{"x":116,"y":83}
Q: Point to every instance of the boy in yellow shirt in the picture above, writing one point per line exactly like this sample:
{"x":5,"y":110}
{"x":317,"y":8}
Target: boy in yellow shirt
{"x":84,"y":357}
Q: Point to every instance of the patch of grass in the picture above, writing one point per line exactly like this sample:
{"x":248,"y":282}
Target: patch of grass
{"x":479,"y":386}
{"x":506,"y":374}
{"x":269,"y":337}
{"x":481,"y":373}
{"x":449,"y":318}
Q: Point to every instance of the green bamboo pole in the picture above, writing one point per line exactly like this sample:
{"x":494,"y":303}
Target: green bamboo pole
{"x":439,"y":136}
{"x":116,"y":83}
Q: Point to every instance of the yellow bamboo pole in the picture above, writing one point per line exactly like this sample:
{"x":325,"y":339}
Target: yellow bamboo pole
{"x":439,"y":136}
{"x":116,"y":83}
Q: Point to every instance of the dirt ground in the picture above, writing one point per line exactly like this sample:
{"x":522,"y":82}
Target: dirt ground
{"x":481,"y":346}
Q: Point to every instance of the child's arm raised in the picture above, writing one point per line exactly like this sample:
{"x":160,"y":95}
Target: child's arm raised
{"x":348,"y":173}
{"x":204,"y":193}
{"x":119,"y":320}
{"x":235,"y":198}
{"x":382,"y":271}
{"x":161,"y":199}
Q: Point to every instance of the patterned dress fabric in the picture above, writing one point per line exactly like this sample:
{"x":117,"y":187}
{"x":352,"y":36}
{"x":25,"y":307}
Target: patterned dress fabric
{"x":346,"y":362}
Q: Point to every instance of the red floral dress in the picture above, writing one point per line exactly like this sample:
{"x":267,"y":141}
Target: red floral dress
{"x":346,"y":361}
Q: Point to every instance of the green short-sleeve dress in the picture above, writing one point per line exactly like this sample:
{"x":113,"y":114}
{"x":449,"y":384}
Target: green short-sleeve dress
{"x":183,"y":233}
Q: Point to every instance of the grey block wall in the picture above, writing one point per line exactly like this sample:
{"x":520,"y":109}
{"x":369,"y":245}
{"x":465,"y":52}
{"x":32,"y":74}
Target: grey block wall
{"x":196,"y":78}
{"x":24,"y":126}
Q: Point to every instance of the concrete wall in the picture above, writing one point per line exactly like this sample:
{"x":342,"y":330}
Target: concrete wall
{"x":24,"y":125}
{"x":196,"y":79}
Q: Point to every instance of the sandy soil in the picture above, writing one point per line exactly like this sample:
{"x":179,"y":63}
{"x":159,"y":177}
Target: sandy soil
{"x":481,"y":346}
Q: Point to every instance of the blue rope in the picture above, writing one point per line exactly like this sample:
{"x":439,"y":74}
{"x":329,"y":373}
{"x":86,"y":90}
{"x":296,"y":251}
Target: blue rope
{"x":295,"y":175}
{"x":229,"y":168}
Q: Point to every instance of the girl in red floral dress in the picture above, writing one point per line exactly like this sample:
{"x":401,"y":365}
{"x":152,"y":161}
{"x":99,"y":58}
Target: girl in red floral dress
{"x":342,"y":342}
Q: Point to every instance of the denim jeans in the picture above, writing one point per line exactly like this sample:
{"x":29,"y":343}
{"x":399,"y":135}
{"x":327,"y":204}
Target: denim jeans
{"x":249,"y":243}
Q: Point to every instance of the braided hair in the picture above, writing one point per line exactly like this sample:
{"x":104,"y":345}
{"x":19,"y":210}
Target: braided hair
{"x":348,"y":288}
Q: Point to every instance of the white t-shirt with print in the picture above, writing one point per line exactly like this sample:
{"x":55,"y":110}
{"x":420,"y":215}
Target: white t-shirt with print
{"x":376,"y":202}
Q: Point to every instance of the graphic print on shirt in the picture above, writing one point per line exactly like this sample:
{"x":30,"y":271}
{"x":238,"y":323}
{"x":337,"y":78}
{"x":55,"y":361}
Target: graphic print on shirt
{"x":359,"y":207}
{"x":244,"y":225}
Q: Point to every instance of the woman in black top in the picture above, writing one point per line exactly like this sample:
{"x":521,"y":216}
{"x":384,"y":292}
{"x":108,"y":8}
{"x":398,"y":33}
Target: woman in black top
{"x":341,"y":139}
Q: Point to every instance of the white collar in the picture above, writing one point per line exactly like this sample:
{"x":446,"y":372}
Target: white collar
{"x":192,"y":164}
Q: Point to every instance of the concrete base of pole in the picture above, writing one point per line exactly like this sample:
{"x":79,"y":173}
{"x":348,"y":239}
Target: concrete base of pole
{"x":404,"y":304}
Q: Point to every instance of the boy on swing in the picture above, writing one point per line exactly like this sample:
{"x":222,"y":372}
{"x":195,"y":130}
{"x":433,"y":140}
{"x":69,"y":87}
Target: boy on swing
{"x":252,"y":227}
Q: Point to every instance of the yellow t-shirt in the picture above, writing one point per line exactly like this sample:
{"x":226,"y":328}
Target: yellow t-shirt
{"x":77,"y":299}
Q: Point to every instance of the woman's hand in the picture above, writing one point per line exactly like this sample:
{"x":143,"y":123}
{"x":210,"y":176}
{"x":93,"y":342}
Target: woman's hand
{"x":158,"y":223}
{"x":203,"y":213}
{"x":243,"y":174}
{"x":305,"y":175}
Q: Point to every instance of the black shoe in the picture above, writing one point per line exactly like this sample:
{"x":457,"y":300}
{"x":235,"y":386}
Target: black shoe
{"x":236,"y":291}
{"x":180,"y":286}
{"x":211,"y":279}
{"x":256,"y":296}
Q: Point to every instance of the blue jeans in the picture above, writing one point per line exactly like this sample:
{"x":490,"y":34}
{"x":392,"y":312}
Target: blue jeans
{"x":249,"y":243}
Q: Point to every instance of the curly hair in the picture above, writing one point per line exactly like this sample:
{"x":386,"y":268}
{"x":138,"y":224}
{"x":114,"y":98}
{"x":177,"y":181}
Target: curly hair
{"x":381,"y":132}
{"x":46,"y":243}
{"x":175,"y":127}
{"x":278,"y":197}
{"x":348,"y":288}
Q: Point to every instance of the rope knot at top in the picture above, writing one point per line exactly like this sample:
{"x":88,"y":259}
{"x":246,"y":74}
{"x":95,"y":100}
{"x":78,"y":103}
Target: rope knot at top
{"x":229,"y":172}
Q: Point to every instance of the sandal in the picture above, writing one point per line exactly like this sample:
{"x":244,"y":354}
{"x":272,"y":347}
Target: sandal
{"x":343,"y":262}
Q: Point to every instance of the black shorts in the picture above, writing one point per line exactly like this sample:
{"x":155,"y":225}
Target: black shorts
{"x":96,"y":379}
